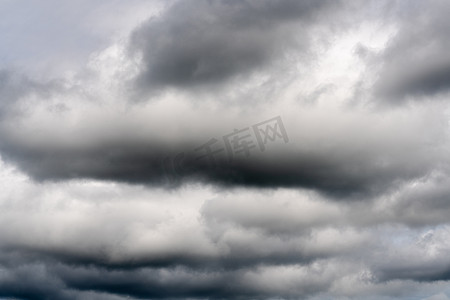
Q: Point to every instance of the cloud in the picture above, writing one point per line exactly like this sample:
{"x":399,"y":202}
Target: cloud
{"x":415,"y":64}
{"x":110,"y":138}
{"x":198,"y":43}
{"x":201,"y":242}
{"x":106,"y":197}
{"x":116,"y":151}
{"x":440,"y":296}
{"x":15,"y":86}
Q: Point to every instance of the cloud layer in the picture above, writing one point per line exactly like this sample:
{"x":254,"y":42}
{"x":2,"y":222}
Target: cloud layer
{"x":226,"y":150}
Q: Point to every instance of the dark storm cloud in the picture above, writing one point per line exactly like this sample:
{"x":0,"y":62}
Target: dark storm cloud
{"x":415,"y":63}
{"x":339,"y":175}
{"x":27,"y":276}
{"x":360,"y":163}
{"x":37,"y":276}
{"x":44,"y":278}
{"x":197,"y":42}
{"x":286,"y":244}
{"x":421,"y":273}
{"x":23,"y":278}
{"x":427,"y":81}
{"x":280,"y":251}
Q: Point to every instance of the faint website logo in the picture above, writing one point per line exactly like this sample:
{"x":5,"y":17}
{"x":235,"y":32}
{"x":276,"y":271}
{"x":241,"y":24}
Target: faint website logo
{"x":240,"y":142}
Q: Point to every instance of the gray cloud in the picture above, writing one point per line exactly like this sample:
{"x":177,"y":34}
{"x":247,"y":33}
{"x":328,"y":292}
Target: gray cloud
{"x":195,"y":43}
{"x":104,"y":197}
{"x":357,"y":171}
{"x":415,"y":63}
{"x":14,"y":87}
{"x":241,"y":244}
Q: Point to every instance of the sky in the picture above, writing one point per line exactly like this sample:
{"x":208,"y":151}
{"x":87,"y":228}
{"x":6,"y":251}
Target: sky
{"x":224,"y":149}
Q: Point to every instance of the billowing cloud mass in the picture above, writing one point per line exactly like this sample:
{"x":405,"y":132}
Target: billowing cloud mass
{"x":224,"y":150}
{"x":213,"y":41}
{"x":415,"y":64}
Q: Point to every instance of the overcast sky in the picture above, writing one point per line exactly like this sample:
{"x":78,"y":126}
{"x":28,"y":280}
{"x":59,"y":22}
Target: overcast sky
{"x":224,"y":149}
